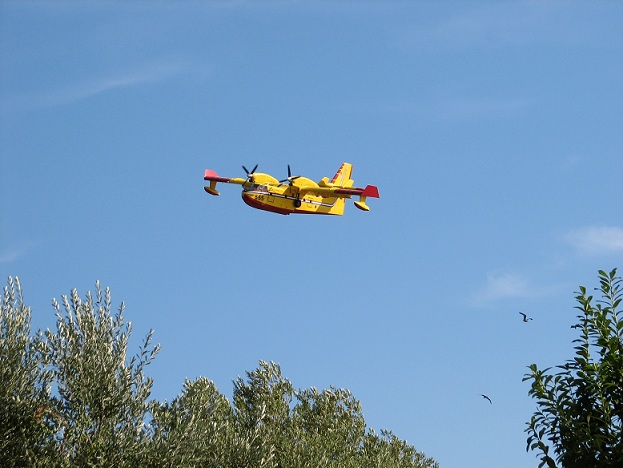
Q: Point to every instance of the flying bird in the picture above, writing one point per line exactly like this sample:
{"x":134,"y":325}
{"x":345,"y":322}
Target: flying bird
{"x":486,"y":398}
{"x":525,"y":317}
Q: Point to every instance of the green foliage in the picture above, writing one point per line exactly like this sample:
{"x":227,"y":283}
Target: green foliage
{"x":389,"y":451}
{"x":262,"y":416}
{"x":102,"y":399}
{"x":24,"y":384}
{"x":580,"y":407}
{"x":331,"y":427}
{"x":193,"y":430}
{"x":73,"y":398}
{"x":276,"y":426}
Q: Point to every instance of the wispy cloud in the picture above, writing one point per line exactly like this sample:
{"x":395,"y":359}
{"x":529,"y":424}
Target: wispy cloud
{"x":151,"y":73}
{"x":458,"y":108}
{"x":9,"y":256}
{"x":502,"y":24}
{"x":472,"y":107}
{"x":86,"y":90}
{"x":15,"y":253}
{"x":148,"y":73}
{"x":502,"y":286}
{"x":594,"y":240}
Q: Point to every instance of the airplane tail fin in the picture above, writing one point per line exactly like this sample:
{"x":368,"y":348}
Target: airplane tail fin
{"x":342,"y":185}
{"x":342,"y":176}
{"x":343,"y":180}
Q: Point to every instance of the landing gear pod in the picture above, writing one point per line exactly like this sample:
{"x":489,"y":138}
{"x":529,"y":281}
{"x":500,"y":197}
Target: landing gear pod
{"x":212,"y":189}
{"x":362,"y":205}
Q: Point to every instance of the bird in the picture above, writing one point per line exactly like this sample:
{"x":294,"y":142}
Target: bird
{"x":486,"y":398}
{"x":525,"y":317}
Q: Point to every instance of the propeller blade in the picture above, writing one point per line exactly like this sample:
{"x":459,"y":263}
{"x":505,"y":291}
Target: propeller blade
{"x":287,"y":179}
{"x":290,"y":177}
{"x":249,"y":173}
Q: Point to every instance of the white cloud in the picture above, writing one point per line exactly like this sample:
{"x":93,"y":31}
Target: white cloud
{"x":503,"y":24}
{"x":457,"y":108}
{"x":596,"y":240}
{"x":503,"y":286}
{"x":149,"y":74}
{"x":481,"y":107}
{"x":9,"y":257}
{"x":15,"y":253}
{"x":154,"y":72}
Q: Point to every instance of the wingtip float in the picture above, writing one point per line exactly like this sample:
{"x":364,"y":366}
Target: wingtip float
{"x":296,"y":194}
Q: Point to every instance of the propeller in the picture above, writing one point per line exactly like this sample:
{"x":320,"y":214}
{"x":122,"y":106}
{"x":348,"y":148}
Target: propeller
{"x":290,"y":178}
{"x":249,"y":173}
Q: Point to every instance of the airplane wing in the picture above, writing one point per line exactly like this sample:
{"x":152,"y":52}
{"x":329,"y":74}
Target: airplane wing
{"x":213,"y":177}
{"x":369,"y":191}
{"x":343,"y":192}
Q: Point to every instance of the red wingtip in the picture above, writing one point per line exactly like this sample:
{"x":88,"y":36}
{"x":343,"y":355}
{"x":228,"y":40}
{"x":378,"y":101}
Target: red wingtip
{"x":209,"y":174}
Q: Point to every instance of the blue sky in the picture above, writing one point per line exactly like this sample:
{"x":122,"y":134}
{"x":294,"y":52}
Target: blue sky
{"x":492,"y":129}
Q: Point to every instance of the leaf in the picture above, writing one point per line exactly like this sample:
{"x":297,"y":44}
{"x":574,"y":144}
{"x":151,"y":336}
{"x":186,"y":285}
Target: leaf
{"x":575,"y":406}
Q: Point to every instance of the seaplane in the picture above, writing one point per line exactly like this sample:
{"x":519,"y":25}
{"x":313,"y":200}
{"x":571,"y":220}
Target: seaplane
{"x":296,"y":194}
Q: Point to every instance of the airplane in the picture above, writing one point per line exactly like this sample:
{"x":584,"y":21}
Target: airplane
{"x":296,"y":194}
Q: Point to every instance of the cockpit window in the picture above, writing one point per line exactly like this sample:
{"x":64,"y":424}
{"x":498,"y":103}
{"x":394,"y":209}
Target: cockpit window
{"x":256,"y":188}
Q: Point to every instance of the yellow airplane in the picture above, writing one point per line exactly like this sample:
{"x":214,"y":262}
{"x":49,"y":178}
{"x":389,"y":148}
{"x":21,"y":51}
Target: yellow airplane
{"x":296,"y":194}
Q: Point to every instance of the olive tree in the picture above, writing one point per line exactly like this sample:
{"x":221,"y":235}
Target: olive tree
{"x":329,"y":428}
{"x":73,"y":397}
{"x":388,"y":451}
{"x":277,"y":426}
{"x":101,"y":398}
{"x":194,"y":429}
{"x":261,"y":406}
{"x":580,"y":406}
{"x":24,"y":384}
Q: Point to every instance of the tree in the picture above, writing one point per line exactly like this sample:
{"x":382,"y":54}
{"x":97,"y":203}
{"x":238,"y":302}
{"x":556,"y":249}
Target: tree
{"x":330,"y":428}
{"x":101,"y":407}
{"x":194,"y":429}
{"x":580,"y":407}
{"x":277,"y":426}
{"x":71,"y":397}
{"x":261,"y":417}
{"x":24,"y":384}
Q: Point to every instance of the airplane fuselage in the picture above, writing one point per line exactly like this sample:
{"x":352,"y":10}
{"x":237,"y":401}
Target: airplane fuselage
{"x":286,"y":199}
{"x":296,"y":194}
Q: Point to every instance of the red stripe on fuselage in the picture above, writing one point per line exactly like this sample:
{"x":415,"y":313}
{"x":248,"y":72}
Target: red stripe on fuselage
{"x":253,"y":203}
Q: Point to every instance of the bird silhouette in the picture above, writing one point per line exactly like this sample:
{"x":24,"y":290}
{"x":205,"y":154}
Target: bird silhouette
{"x":486,"y":398}
{"x":525,"y":317}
